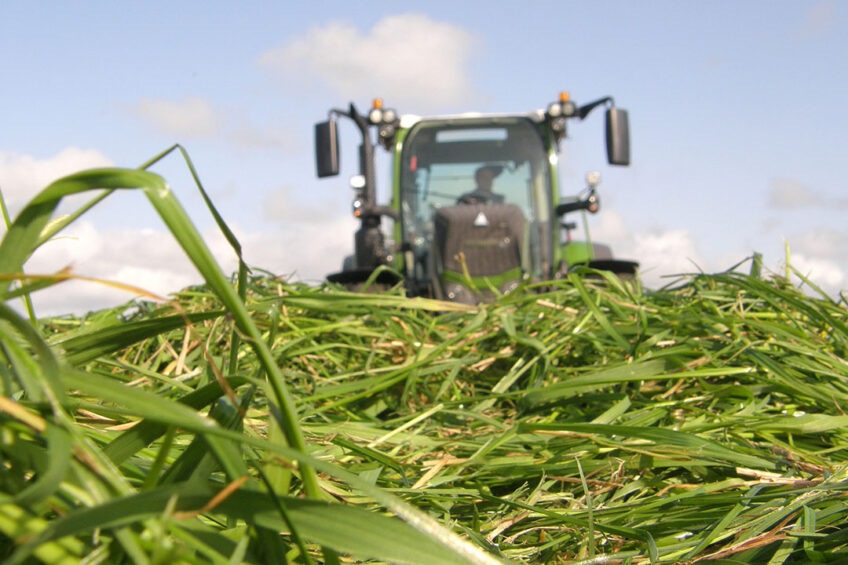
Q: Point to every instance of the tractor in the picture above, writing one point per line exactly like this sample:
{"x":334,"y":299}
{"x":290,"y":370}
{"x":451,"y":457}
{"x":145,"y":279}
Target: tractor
{"x":475,"y":202}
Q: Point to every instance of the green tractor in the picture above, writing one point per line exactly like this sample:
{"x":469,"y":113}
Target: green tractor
{"x":475,"y":199}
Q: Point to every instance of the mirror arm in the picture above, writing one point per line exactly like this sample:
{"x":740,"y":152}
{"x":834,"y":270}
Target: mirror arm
{"x":334,"y":112}
{"x":568,"y":207}
{"x":387,"y":211}
{"x":585,"y":109}
{"x":591,"y":203}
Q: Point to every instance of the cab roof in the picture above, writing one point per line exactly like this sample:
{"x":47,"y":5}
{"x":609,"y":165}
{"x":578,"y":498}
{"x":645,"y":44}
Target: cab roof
{"x":409,"y":120}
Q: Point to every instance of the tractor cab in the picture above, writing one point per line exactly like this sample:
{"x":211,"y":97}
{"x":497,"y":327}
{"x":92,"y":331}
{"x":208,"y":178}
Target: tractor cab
{"x":474,"y":205}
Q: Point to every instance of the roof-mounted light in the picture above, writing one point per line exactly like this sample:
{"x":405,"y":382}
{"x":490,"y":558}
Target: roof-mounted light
{"x":375,"y":116}
{"x":562,"y":107}
{"x":380,"y":116}
{"x":386,"y":120}
{"x":558,"y":111}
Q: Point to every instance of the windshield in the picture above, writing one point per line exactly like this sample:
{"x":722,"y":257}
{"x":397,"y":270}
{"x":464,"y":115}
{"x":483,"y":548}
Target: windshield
{"x":468,"y":161}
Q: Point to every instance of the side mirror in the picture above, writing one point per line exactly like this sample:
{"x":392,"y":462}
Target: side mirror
{"x":326,"y":149}
{"x":618,"y":137}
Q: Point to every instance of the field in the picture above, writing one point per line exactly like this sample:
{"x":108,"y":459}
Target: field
{"x":251,"y":420}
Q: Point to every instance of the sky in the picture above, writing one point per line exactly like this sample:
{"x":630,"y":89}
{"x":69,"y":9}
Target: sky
{"x":737,"y":116}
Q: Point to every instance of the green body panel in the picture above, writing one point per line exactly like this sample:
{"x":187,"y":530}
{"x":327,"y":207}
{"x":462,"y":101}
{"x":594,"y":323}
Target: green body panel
{"x":400,"y":137}
{"x":578,"y":252}
{"x":575,"y":252}
{"x":553,"y":174}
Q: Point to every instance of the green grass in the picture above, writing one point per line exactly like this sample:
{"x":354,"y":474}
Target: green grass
{"x":253,"y":420}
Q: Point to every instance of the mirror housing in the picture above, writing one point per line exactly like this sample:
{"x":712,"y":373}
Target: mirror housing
{"x":618,"y":137}
{"x":326,"y":149}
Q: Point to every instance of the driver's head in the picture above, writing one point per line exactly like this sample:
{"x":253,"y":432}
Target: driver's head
{"x":485,"y":176}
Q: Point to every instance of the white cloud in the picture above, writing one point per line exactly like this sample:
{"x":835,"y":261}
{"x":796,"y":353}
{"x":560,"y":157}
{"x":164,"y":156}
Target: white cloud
{"x":790,"y":194}
{"x":823,"y":272}
{"x":188,"y":118}
{"x":666,"y":253}
{"x":821,"y":255}
{"x":283,"y":206}
{"x":819,"y":18}
{"x":307,"y":250}
{"x":147,"y":259}
{"x":821,"y":242}
{"x":408,"y":59}
{"x":306,"y":240}
{"x":253,"y":137}
{"x":611,"y":228}
{"x":79,"y":242}
{"x":196,"y":118}
{"x":23,"y":176}
{"x":152,"y":260}
{"x":660,"y":253}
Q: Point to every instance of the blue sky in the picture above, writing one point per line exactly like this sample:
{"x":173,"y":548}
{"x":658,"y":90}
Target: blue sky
{"x":737,"y":117}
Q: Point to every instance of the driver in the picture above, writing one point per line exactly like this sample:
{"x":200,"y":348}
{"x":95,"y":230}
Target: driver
{"x":484,"y":177}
